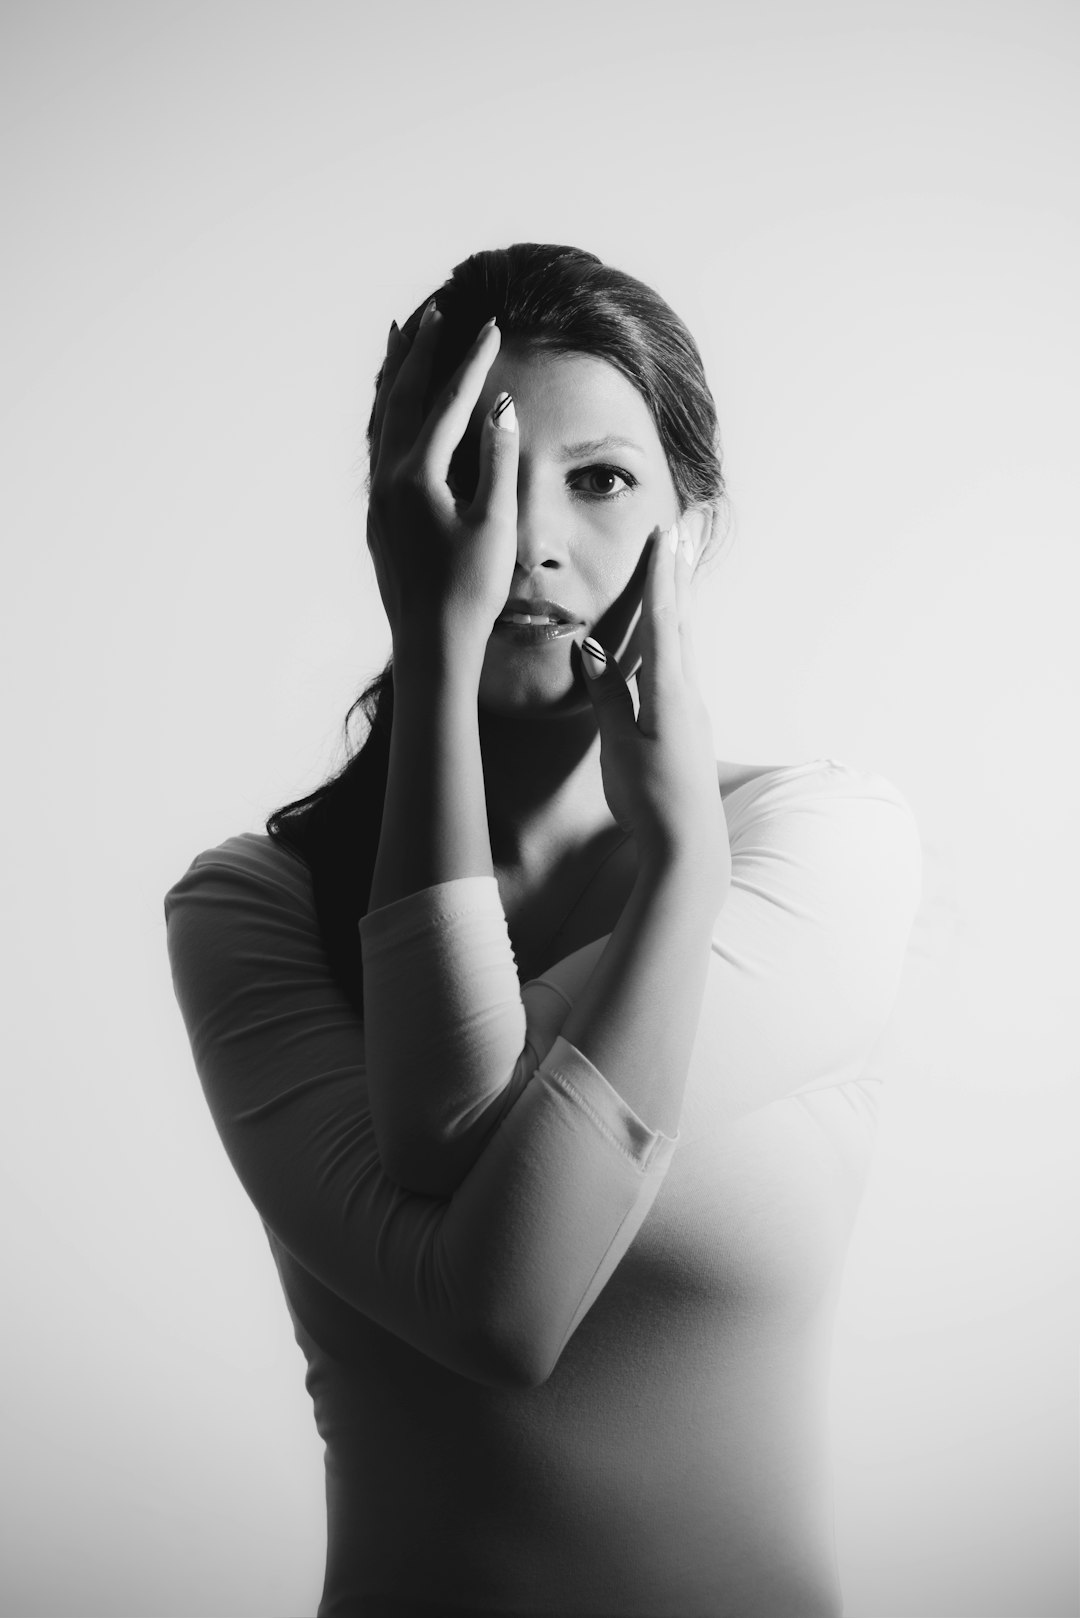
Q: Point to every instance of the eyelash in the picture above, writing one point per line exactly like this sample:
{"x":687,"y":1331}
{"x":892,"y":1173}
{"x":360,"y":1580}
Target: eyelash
{"x":602,"y":467}
{"x":607,"y":471}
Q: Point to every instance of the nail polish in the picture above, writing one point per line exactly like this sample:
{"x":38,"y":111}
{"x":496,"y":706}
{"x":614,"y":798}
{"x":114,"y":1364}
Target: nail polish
{"x":671,"y":538}
{"x":503,"y":414}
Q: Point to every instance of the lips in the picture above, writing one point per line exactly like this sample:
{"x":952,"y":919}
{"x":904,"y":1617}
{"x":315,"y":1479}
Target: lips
{"x":526,"y":610}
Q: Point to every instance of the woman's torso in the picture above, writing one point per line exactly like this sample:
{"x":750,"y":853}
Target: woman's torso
{"x":675,"y":1463}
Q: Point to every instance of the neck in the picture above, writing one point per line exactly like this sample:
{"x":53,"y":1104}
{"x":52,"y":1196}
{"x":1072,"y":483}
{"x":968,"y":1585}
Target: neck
{"x":543,"y":784}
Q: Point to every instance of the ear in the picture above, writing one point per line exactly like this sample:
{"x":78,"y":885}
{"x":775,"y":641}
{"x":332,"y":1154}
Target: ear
{"x":696,"y":523}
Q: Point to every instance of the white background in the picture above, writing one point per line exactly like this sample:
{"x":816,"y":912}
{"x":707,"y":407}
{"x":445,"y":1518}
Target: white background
{"x":868,"y":214}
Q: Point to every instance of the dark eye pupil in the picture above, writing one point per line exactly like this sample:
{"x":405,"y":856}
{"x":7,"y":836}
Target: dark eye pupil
{"x":606,"y":478}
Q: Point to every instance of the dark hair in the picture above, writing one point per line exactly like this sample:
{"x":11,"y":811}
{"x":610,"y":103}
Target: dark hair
{"x":562,"y":300}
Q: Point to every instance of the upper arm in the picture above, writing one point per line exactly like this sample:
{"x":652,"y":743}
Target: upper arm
{"x":810,"y":945}
{"x":280,"y":1055}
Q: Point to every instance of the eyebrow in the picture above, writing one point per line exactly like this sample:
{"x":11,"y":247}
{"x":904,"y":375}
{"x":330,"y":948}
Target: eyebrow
{"x":595,"y":446}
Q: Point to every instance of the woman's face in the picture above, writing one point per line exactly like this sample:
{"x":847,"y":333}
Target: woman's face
{"x":593,"y":484}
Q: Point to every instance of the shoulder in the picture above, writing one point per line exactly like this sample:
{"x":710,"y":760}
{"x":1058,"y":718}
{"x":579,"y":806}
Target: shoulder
{"x":246,"y":881}
{"x":251,"y":858}
{"x":242,"y":934}
{"x":823,"y":786}
{"x":828,"y":826}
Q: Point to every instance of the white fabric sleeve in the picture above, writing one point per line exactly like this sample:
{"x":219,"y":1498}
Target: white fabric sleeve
{"x":810,"y":947}
{"x":490,"y":1282}
{"x":444,"y":1029}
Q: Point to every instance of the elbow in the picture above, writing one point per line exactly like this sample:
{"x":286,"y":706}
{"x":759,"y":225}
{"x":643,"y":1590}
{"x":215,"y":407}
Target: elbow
{"x":528,"y":1371}
{"x":516,"y":1361}
{"x":513,"y":1373}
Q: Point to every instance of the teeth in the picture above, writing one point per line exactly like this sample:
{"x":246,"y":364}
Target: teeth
{"x":525,"y":618}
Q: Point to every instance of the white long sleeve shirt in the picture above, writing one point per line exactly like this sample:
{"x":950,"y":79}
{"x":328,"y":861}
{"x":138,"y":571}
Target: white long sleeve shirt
{"x":590,"y":1378}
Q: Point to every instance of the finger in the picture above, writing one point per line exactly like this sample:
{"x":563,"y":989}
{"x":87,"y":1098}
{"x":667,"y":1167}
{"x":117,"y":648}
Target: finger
{"x":496,"y":490}
{"x":694,"y":526}
{"x":447,"y":423}
{"x":397,"y":346}
{"x":608,"y":691}
{"x":404,"y":416}
{"x":620,"y":627}
{"x":661,"y":674}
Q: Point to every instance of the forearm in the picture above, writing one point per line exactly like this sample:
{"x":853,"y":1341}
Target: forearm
{"x":434,"y":824}
{"x":636,"y":1019}
{"x":443,"y":1020}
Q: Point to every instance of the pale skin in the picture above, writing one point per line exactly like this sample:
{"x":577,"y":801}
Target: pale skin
{"x":506,"y":760}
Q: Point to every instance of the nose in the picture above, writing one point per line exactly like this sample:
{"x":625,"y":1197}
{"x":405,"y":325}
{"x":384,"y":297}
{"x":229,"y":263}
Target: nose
{"x":541,"y":537}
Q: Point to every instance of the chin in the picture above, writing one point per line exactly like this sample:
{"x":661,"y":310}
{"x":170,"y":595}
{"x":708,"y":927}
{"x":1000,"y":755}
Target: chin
{"x":509,"y":696}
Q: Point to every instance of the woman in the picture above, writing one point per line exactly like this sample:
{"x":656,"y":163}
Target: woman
{"x":558,"y":1150}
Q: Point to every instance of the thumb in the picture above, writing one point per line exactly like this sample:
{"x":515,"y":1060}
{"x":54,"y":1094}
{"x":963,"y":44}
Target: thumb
{"x":496,"y":489}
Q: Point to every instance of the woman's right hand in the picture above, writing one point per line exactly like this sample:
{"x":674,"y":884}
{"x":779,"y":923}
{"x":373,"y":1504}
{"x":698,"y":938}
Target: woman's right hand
{"x":444,"y":566}
{"x":659,"y":770}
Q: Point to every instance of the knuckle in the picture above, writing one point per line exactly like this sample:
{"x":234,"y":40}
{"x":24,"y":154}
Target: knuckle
{"x":412,"y":477}
{"x":395,"y":487}
{"x":449,"y":397}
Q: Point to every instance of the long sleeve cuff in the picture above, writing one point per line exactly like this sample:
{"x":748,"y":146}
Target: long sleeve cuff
{"x":415,"y":912}
{"x":570,"y":1071}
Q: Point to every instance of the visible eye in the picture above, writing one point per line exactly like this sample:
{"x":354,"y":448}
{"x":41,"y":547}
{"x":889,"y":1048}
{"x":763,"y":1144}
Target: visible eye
{"x":602,"y":482}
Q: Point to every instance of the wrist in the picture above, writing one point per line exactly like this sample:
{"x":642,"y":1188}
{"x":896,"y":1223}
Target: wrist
{"x":439,"y":654}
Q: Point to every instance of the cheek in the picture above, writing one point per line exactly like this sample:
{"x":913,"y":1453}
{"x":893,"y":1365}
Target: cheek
{"x":606,"y":559}
{"x":608,"y":581}
{"x":613,"y":570}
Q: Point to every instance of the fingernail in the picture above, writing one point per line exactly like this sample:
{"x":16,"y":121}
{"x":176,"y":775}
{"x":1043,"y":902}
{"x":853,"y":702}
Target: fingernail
{"x":392,"y":337}
{"x":688,"y":550}
{"x":593,"y":657}
{"x":487,"y":326}
{"x":503,"y":413}
{"x":671,"y":538}
{"x":429,"y":314}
